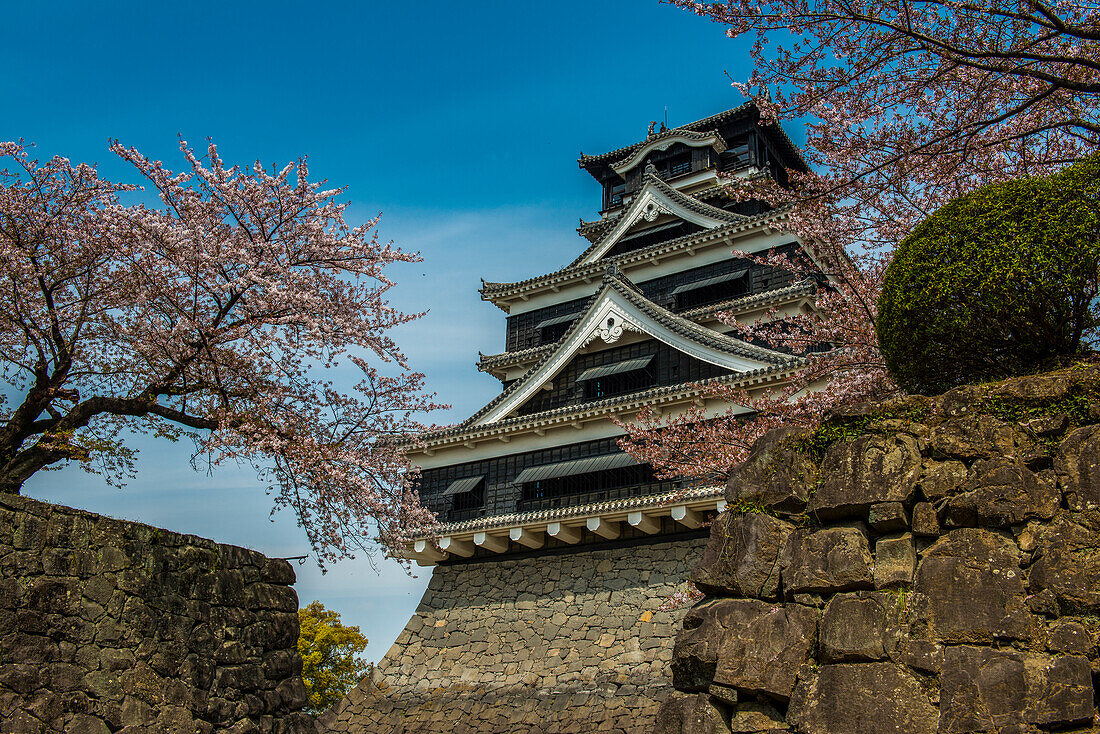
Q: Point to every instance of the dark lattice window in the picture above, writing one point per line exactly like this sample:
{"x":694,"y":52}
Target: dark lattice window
{"x":652,"y":236}
{"x":676,"y":165}
{"x":550,"y":334}
{"x":601,"y":483}
{"x":615,"y":197}
{"x":708,"y":292}
{"x":619,"y":384}
{"x":468,"y":504}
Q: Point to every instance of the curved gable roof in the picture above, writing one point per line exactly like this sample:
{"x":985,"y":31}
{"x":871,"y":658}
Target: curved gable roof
{"x":655,"y":198}
{"x":665,"y":140}
{"x":616,"y":308}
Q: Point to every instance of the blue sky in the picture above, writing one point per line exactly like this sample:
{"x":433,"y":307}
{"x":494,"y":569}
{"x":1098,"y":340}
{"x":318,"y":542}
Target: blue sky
{"x":460,"y":122}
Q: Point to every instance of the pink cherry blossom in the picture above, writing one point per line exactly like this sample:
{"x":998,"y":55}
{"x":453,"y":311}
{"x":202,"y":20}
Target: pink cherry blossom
{"x":907,"y":104}
{"x":218,"y":315}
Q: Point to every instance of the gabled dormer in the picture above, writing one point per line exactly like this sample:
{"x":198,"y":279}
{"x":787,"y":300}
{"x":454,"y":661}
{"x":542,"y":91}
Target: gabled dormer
{"x":616,"y":310}
{"x":658,"y":212}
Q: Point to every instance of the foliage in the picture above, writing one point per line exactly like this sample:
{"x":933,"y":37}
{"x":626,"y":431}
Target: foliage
{"x":216,"y":315}
{"x":328,"y":649}
{"x":995,"y":283}
{"x":704,"y":446}
{"x":908,"y":104}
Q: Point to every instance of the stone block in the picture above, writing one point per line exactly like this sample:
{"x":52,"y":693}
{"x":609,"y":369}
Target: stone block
{"x":972,"y":585}
{"x":763,"y":646}
{"x":690,"y":714}
{"x":742,"y":557}
{"x":1001,"y":492}
{"x":979,"y":436}
{"x":853,"y":627}
{"x":752,"y":717}
{"x":1067,"y":563}
{"x":925,"y":522}
{"x":895,"y":561}
{"x":743,"y":644}
{"x":887,"y":517}
{"x":1078,"y":466}
{"x":871,"y":469}
{"x":995,"y":690}
{"x":776,"y":475}
{"x":862,"y":698}
{"x":826,"y":561}
{"x":941,"y":479}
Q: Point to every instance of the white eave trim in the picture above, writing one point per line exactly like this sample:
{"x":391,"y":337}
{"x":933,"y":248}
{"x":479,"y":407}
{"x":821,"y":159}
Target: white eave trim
{"x":584,"y":413}
{"x":588,"y":272}
{"x":649,"y":204}
{"x":529,"y":530}
{"x":692,"y":140}
{"x":607,"y":319}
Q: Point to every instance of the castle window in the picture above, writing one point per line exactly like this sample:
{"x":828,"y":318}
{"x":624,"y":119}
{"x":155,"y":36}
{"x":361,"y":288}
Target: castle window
{"x":712,"y":290}
{"x":467,"y":498}
{"x":615,"y":197}
{"x":550,"y":330}
{"x":673,"y":166}
{"x":581,"y":480}
{"x":618,"y":378}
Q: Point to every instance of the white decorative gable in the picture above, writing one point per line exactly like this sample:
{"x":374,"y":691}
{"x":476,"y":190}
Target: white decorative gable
{"x":666,"y":141}
{"x":609,"y":316}
{"x":657,"y":198}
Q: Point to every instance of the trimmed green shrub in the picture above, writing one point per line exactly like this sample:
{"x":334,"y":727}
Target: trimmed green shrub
{"x":996,"y":283}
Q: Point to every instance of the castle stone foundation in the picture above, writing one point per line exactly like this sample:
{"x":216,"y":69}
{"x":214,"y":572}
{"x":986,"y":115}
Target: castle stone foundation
{"x":550,"y":643}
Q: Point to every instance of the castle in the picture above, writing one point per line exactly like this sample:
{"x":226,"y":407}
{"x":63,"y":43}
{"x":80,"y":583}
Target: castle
{"x":631,"y":322}
{"x":548,"y":527}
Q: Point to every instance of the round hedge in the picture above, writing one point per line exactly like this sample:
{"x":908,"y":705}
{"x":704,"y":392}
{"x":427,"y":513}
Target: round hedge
{"x":996,"y":283}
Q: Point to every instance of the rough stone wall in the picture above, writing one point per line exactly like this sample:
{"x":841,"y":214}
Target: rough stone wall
{"x":556,"y":643}
{"x":925,"y":565}
{"x":112,"y":626}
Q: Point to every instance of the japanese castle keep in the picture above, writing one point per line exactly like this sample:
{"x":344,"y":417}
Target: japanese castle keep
{"x":557,"y":550}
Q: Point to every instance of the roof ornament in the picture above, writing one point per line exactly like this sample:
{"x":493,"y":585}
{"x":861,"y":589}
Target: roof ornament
{"x":649,"y":131}
{"x":650,"y":169}
{"x":611,"y":271}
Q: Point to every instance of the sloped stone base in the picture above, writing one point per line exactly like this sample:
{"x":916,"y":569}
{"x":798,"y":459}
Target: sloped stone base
{"x":554,"y":643}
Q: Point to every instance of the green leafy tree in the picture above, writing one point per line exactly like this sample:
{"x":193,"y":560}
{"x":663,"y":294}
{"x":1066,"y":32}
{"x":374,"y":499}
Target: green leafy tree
{"x":330,"y":667}
{"x":998,"y":282}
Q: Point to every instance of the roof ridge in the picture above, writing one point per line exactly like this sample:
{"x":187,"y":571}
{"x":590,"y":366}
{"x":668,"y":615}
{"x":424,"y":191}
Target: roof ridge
{"x":641,"y":254}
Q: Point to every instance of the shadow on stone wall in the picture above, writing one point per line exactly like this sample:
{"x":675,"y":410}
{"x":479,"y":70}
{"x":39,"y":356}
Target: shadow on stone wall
{"x":924,"y":565}
{"x":109,"y":626}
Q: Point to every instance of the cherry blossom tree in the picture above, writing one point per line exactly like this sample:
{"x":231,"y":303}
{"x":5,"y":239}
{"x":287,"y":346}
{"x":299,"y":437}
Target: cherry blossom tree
{"x":218,"y":315}
{"x":907,"y":104}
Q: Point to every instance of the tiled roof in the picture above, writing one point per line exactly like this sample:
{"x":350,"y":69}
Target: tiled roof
{"x":583,"y":411}
{"x":563,"y":513}
{"x":490,"y":362}
{"x":487,"y":362}
{"x":491,"y":291}
{"x":804,"y":287}
{"x":688,"y":202}
{"x":677,"y":324}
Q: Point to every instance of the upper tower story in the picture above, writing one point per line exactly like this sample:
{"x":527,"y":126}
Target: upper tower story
{"x":668,"y":222}
{"x":690,"y":157}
